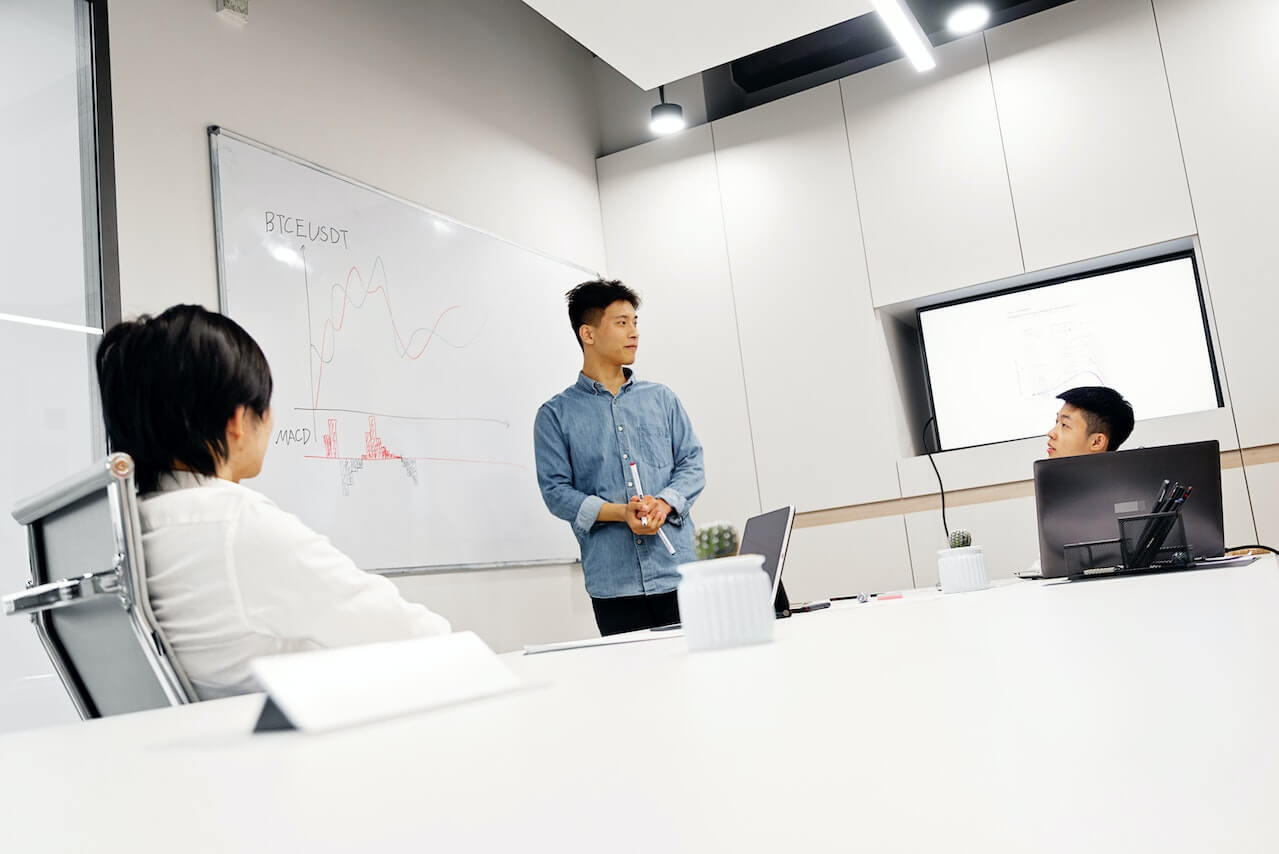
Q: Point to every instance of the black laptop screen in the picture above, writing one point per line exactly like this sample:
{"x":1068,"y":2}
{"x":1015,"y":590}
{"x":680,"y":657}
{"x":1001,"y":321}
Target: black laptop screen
{"x":767,"y":535}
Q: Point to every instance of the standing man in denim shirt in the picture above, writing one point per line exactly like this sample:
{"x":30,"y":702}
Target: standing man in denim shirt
{"x":586,"y":438}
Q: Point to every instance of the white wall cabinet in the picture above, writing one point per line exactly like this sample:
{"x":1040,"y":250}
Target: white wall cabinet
{"x":508,"y":607}
{"x":932,"y":185}
{"x":1263,"y":484}
{"x":1078,"y":100}
{"x":1006,"y":530}
{"x":1225,"y":83}
{"x":1089,"y":132}
{"x":1237,"y":507}
{"x":664,"y":236}
{"x":812,"y":350}
{"x":867,"y":556}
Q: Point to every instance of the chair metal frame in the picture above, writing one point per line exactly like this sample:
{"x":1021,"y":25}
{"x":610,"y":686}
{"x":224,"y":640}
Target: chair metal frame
{"x":124,"y":580}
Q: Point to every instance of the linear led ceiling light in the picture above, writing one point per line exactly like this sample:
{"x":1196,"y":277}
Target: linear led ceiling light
{"x":968,"y":18}
{"x":910,"y":36}
{"x":667,"y":118}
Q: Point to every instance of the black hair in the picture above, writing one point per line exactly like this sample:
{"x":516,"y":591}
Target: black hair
{"x":1105,"y":411}
{"x":587,"y":301}
{"x":170,"y":383}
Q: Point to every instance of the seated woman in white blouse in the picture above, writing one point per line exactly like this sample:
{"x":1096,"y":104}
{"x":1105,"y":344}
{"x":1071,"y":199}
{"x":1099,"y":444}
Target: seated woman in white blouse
{"x":232,"y":577}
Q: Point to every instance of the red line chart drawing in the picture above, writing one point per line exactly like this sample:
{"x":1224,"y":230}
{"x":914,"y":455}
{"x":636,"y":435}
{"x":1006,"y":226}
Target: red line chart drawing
{"x":333,"y":325}
{"x":354,"y":292}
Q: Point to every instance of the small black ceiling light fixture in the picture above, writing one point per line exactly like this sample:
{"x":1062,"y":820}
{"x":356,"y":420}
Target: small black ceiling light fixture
{"x":666,"y":118}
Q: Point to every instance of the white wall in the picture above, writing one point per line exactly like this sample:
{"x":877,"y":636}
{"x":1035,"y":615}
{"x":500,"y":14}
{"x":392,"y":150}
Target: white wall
{"x":1263,"y":482}
{"x":932,"y":181}
{"x":844,"y":559}
{"x":1064,"y":145}
{"x":799,"y":274}
{"x":1088,"y":130}
{"x":479,"y":109}
{"x":1224,"y":79}
{"x":661,"y":206}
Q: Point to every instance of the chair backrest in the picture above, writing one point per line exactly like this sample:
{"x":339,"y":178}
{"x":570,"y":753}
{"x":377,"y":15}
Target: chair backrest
{"x":88,"y":594}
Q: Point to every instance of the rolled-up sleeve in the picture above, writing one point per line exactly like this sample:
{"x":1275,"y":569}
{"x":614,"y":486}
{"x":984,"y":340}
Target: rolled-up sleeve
{"x":688,"y":477}
{"x":555,"y":475}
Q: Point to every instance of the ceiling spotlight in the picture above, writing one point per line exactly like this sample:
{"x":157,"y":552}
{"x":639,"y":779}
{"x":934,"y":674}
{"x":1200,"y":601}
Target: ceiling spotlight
{"x":968,"y":18}
{"x":667,"y":118}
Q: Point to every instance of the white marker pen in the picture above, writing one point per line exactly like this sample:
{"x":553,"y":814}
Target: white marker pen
{"x":639,"y":491}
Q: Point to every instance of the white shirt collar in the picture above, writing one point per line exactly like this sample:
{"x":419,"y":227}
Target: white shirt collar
{"x":170,"y":481}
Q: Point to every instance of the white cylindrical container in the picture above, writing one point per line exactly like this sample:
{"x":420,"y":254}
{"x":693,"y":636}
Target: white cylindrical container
{"x":962,"y":569}
{"x":725,"y":602}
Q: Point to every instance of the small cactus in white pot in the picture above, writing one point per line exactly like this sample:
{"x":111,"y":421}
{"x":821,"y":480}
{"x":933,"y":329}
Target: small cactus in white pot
{"x":716,"y":539}
{"x":962,"y":567}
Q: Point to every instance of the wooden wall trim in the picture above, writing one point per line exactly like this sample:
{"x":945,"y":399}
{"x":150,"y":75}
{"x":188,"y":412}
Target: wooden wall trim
{"x":1255,"y":456}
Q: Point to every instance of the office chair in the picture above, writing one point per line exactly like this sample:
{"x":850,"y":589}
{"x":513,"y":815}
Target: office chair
{"x":88,"y":594}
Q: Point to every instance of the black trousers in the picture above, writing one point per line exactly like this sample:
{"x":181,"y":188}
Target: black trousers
{"x":628,"y":613}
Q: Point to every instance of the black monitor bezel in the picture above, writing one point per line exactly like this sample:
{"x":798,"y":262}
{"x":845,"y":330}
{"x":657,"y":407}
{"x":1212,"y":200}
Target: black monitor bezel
{"x":1046,"y":283}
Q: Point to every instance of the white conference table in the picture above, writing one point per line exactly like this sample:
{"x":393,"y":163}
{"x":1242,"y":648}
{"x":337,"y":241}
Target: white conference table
{"x":1137,"y":714}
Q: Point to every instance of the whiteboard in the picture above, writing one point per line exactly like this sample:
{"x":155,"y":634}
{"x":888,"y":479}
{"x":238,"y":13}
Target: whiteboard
{"x":410,"y":354}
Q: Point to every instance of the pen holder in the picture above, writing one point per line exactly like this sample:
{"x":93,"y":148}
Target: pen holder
{"x":725,"y":602}
{"x":1153,"y":539}
{"x":962,"y":570}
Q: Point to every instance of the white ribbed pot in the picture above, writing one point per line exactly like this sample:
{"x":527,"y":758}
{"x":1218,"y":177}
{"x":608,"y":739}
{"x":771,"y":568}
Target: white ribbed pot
{"x":725,"y":602}
{"x":962,"y":570}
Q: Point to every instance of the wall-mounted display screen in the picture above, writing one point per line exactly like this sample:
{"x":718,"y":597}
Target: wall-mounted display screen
{"x":996,"y":363}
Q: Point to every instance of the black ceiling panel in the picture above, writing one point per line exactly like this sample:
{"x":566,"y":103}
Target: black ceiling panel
{"x":835,"y":52}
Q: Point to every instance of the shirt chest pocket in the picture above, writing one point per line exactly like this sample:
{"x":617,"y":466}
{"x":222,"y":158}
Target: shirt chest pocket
{"x":654,"y":447}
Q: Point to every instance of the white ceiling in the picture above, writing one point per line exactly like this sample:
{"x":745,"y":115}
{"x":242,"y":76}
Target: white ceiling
{"x":654,"y":42}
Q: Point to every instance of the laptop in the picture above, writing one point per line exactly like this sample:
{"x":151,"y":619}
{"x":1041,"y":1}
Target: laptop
{"x":768,"y":534}
{"x":1078,"y":500}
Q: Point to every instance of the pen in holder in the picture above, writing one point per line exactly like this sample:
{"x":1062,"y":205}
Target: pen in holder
{"x":1153,"y":539}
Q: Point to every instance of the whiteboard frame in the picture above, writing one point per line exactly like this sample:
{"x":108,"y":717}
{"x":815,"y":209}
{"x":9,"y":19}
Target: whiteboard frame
{"x":443,"y":568}
{"x":216,"y":131}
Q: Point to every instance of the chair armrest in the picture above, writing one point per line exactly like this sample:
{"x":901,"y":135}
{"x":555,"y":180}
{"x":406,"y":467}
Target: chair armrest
{"x":66,"y":591}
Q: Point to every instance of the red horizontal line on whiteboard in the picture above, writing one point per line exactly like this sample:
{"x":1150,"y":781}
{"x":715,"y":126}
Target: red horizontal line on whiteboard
{"x":422,"y":459}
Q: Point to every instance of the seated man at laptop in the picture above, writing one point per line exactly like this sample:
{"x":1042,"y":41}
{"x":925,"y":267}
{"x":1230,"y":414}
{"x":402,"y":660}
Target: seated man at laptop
{"x":1092,"y":420}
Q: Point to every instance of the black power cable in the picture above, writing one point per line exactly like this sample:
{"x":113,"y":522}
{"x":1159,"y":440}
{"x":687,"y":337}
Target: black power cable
{"x":940,"y":487}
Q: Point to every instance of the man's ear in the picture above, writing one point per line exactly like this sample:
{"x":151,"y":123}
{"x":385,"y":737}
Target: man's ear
{"x":1099,"y":442}
{"x":586,"y":333}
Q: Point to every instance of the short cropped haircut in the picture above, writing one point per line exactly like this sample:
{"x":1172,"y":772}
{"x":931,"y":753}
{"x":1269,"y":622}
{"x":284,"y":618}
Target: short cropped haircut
{"x":1105,"y":411}
{"x":169,"y":385}
{"x":587,"y":301}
